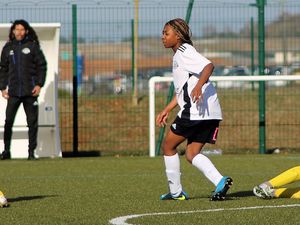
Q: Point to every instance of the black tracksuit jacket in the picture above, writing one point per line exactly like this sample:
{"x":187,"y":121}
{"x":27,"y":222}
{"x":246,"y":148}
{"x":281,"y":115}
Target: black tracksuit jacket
{"x":23,"y":66}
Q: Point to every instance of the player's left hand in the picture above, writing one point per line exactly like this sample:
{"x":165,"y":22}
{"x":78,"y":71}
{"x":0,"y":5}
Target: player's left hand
{"x":36,"y":90}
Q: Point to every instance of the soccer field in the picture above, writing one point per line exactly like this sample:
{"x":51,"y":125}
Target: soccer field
{"x":101,"y":190}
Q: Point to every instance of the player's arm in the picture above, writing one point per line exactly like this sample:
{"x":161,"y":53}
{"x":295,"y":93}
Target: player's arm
{"x":4,"y":64}
{"x":196,"y":93}
{"x":41,"y":65}
{"x":41,"y":70}
{"x":161,"y":119}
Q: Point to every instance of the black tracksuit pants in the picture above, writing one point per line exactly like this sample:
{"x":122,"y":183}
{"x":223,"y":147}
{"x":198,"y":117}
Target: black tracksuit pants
{"x":30,"y":105}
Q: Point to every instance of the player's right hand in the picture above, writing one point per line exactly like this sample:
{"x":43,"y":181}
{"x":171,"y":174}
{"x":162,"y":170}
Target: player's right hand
{"x":161,"y":119}
{"x":5,"y":94}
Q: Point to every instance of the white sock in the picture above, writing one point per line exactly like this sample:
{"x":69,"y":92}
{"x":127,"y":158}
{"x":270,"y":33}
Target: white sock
{"x":172,"y":164}
{"x":207,"y":168}
{"x":264,"y":185}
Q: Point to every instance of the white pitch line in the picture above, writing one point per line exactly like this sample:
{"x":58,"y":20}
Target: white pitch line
{"x":122,"y":219}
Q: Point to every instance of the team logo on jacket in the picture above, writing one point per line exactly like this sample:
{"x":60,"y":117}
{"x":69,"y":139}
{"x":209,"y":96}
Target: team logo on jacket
{"x":26,"y":51}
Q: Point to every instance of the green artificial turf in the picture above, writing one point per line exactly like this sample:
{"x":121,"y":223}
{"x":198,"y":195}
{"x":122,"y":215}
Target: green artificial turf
{"x":96,"y":190}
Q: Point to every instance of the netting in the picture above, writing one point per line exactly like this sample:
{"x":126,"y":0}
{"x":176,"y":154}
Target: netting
{"x":239,"y":99}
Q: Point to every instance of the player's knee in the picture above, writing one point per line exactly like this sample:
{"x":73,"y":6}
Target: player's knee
{"x":189,"y":157}
{"x":167,"y":149}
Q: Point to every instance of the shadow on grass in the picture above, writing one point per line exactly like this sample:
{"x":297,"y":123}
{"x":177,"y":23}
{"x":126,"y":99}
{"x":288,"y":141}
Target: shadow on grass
{"x":30,"y":198}
{"x":199,"y":197}
{"x":241,"y":194}
{"x":230,"y":196}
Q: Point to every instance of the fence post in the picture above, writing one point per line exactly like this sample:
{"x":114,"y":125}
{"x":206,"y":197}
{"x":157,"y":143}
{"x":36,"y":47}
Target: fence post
{"x":252,"y":50}
{"x":75,"y":83}
{"x":135,"y":50}
{"x":261,"y":57}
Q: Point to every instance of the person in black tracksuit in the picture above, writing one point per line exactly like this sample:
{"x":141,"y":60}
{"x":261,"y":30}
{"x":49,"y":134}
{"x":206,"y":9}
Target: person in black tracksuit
{"x":22,"y":74}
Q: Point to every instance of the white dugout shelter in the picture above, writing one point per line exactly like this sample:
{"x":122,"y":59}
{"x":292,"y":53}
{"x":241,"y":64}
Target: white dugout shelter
{"x":48,"y":134}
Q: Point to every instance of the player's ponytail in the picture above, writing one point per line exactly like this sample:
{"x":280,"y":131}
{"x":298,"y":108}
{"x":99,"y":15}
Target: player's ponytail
{"x":182,"y":29}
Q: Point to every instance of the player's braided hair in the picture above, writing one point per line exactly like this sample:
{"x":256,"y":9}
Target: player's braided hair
{"x":182,"y":29}
{"x":31,"y":34}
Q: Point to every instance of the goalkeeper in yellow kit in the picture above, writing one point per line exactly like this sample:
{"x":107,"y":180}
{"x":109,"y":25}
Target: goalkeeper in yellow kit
{"x":273,"y":188}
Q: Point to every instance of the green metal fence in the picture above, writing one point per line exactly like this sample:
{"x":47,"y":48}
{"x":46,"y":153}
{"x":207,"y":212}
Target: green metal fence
{"x":107,"y":120}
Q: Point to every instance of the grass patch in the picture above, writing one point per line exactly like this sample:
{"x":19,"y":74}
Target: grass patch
{"x":92,"y":191}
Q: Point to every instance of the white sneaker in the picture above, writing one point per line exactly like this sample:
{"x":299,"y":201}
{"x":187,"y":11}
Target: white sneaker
{"x":3,"y":200}
{"x":263,"y":192}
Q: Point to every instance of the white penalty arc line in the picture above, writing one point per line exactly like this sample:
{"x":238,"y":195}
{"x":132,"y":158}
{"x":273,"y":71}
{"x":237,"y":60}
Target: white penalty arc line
{"x":122,"y":219}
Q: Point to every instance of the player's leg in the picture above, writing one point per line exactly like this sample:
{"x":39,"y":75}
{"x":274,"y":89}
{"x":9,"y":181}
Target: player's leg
{"x":172,"y":165}
{"x":13,"y":104}
{"x":30,"y":105}
{"x":266,"y":189}
{"x":204,"y":164}
{"x":267,"y":192}
{"x":287,"y":177}
{"x":287,"y":193}
{"x":206,"y":132}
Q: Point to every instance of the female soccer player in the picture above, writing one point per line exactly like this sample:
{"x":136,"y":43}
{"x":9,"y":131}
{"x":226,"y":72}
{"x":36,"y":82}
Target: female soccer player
{"x":273,"y":188}
{"x":199,"y":116}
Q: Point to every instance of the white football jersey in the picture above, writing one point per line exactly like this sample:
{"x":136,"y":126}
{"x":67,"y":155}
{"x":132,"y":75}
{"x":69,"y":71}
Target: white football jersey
{"x":187,"y":67}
